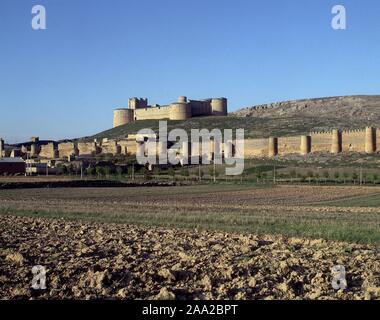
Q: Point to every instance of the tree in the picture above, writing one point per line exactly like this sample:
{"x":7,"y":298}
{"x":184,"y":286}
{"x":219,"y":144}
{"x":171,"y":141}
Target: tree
{"x":355,"y":177}
{"x":157,"y":171}
{"x":336,"y":176}
{"x":345,"y":176}
{"x":293,"y":175}
{"x":90,"y":171}
{"x":171,"y":172}
{"x":201,"y":174}
{"x":258,"y":173}
{"x":310,"y":175}
{"x":185,"y":172}
{"x":211,"y":172}
{"x":99,"y":171}
{"x":326,"y":175}
{"x":64,"y":170}
{"x":375,"y":177}
{"x":70,"y":169}
{"x":143,"y":171}
{"x":364,"y":176}
{"x":119,"y":171}
{"x":107,"y":171}
{"x":130,"y":171}
{"x":317,"y":176}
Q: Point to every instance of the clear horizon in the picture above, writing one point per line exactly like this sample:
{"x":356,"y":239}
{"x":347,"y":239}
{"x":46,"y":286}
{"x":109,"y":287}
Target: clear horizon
{"x":65,"y":81}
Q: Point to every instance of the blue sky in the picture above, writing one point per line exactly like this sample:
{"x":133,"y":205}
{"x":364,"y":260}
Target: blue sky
{"x":65,"y":81}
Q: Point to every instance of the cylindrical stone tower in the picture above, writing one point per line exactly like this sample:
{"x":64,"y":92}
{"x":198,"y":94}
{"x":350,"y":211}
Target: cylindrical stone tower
{"x":272,"y":147}
{"x":180,"y":111}
{"x":336,"y":141}
{"x":305,"y":145}
{"x":219,"y":107}
{"x":370,"y":140}
{"x":122,"y":116}
{"x":182,"y":99}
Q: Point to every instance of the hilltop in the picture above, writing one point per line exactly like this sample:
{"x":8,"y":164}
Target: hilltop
{"x":278,"y":119}
{"x":363,"y":107}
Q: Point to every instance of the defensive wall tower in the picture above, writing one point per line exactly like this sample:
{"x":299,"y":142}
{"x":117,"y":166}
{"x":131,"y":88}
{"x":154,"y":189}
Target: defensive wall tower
{"x":305,"y":145}
{"x":180,"y":111}
{"x":336,"y":141}
{"x":122,"y":116}
{"x":219,"y":107}
{"x":370,"y":140}
{"x":272,"y":147}
{"x":182,"y":99}
{"x":1,"y":147}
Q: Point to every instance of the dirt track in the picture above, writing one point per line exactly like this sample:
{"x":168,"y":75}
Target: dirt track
{"x":87,"y":261}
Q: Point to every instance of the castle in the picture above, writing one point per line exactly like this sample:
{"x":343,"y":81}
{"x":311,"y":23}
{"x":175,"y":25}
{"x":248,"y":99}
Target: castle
{"x":138,"y":109}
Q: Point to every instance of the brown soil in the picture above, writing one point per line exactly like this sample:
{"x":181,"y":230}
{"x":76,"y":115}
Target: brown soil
{"x":89,"y":261}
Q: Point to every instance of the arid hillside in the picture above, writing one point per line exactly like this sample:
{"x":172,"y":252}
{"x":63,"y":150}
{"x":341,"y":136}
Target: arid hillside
{"x":366,"y":108}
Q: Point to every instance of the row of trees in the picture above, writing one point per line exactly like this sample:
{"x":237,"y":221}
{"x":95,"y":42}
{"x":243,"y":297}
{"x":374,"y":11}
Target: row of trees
{"x":211,"y":173}
{"x":134,"y":171}
{"x":319,"y":177}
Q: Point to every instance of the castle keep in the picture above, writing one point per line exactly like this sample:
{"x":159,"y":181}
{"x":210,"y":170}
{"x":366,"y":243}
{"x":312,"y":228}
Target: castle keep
{"x":138,"y":109}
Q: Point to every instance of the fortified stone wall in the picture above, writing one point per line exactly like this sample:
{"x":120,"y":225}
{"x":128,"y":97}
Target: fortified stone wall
{"x":256,"y":148}
{"x":200,"y":108}
{"x":321,"y":141}
{"x":353,"y":140}
{"x":152,"y":113}
{"x":48,"y":151}
{"x":111,"y":146}
{"x":335,"y":141}
{"x":288,"y":145}
{"x":66,"y":149}
{"x":87,"y":148}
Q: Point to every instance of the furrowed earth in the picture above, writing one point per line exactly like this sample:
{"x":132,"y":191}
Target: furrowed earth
{"x":193,"y":242}
{"x":90,"y":261}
